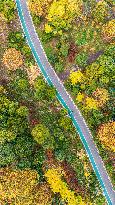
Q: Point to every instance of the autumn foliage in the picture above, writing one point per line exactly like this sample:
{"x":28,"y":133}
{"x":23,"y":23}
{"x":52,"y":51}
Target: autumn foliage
{"x":108,"y":30}
{"x":12,"y":59}
{"x":106,"y":134}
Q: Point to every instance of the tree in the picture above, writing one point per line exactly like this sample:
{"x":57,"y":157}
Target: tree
{"x":60,"y":15}
{"x":7,"y":155}
{"x":43,"y":91}
{"x":106,"y":135}
{"x":11,"y":118}
{"x":12,"y":59}
{"x":17,"y":185}
{"x":91,"y":103}
{"x":39,"y":7}
{"x":7,"y":8}
{"x":101,"y":95}
{"x":57,"y":185}
{"x":101,"y":11}
{"x":76,"y":77}
{"x":40,"y":133}
{"x":108,"y":30}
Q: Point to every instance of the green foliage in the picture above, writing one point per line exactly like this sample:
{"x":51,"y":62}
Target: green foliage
{"x":101,"y":11}
{"x":64,"y":50}
{"x":51,"y":55}
{"x":7,"y":155}
{"x":81,"y":59}
{"x":43,"y":91}
{"x":110,"y":51}
{"x":40,"y":133}
{"x":11,"y":119}
{"x":8,"y":9}
{"x":17,"y":40}
{"x":59,"y":67}
{"x":23,"y":146}
{"x":20,"y":88}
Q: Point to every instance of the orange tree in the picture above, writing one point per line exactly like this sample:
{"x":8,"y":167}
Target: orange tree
{"x":106,"y":135}
{"x":12,"y":59}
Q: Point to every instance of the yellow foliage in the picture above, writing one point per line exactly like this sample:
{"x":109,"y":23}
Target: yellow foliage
{"x":108,"y":30}
{"x":48,"y":28}
{"x":12,"y":59}
{"x":17,"y":185}
{"x":76,"y":77}
{"x":102,"y":96}
{"x":80,"y":97}
{"x":20,"y":187}
{"x":91,"y":103}
{"x":106,"y":134}
{"x":39,"y":7}
{"x":54,"y":176}
{"x":62,"y":12}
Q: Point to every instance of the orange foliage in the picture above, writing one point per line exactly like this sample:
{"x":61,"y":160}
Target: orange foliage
{"x":106,"y":134}
{"x":12,"y":59}
{"x":102,"y":96}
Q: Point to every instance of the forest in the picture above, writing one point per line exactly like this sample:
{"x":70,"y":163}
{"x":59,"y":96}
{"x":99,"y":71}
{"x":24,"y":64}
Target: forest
{"x":42,"y":159}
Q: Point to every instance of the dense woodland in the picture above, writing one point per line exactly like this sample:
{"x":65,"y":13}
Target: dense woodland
{"x":42,"y":159}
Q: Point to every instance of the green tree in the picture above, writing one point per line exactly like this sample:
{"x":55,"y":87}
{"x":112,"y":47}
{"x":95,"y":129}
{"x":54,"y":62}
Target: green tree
{"x":8,"y":9}
{"x":12,"y":116}
{"x":7,"y":155}
{"x":43,"y":91}
{"x":40,"y":133}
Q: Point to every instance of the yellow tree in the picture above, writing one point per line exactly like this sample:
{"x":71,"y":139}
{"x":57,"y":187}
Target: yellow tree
{"x":12,"y":59}
{"x":91,"y":103}
{"x":39,"y":7}
{"x":54,"y":178}
{"x":61,"y":13}
{"x":108,"y":30}
{"x":16,"y":185}
{"x":76,"y":77}
{"x":106,"y":134}
{"x":21,"y":187}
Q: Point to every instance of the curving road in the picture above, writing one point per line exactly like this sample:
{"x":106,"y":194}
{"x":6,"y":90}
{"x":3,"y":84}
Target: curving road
{"x":65,"y":99}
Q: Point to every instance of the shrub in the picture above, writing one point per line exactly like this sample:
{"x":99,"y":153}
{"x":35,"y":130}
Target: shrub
{"x":53,"y":177}
{"x":81,"y":59}
{"x":3,"y":30}
{"x":64,"y":50}
{"x":59,"y":67}
{"x":51,"y":55}
{"x":91,"y":103}
{"x":12,"y":59}
{"x":16,"y":40}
